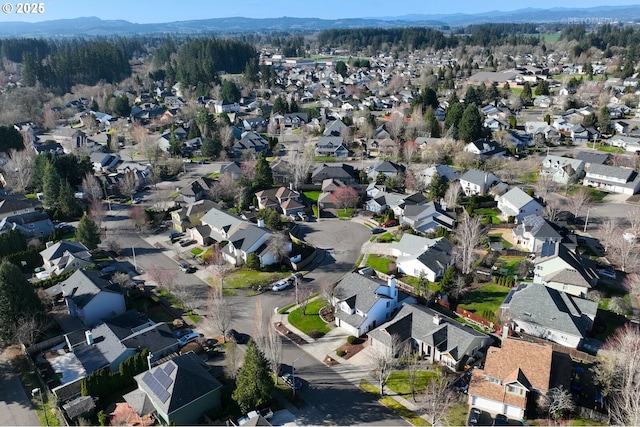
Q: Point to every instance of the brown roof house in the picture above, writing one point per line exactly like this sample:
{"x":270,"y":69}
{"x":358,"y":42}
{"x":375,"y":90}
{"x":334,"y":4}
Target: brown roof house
{"x":515,"y":375}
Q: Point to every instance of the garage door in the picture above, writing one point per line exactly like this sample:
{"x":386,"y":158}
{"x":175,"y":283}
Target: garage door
{"x":487,"y":405}
{"x":514,"y":412}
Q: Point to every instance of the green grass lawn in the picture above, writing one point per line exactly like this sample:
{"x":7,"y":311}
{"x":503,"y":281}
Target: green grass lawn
{"x":311,"y":321}
{"x":324,"y":159}
{"x":486,"y":298}
{"x":596,"y":195}
{"x":394,"y":405}
{"x":342,"y":213}
{"x":386,"y":238}
{"x":413,"y":281}
{"x":509,"y":264}
{"x":489,"y":215}
{"x":245,"y":278}
{"x":312,"y":196}
{"x":458,"y":414}
{"x":379,"y":263}
{"x":498,"y":238}
{"x":610,"y":149}
{"x":399,"y":382}
{"x":196,"y":251}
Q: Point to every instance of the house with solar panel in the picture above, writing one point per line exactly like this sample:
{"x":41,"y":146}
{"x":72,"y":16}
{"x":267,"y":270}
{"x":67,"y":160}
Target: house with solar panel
{"x":547,"y":313}
{"x":560,"y":268}
{"x":179,"y":391}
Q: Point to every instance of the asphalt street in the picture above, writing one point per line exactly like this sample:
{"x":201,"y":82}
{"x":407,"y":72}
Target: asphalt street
{"x":15,"y":406}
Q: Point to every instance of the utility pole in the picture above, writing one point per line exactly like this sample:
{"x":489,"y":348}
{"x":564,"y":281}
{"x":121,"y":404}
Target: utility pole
{"x":586,"y":221}
{"x":293,"y":377}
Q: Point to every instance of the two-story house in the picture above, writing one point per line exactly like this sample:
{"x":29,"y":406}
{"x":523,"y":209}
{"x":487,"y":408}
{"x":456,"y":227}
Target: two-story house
{"x":485,"y":148}
{"x":420,"y":256}
{"x":189,"y":216}
{"x":562,"y":170}
{"x":246,"y":239}
{"x":560,"y":268}
{"x":615,"y":179}
{"x":250,"y":142}
{"x":533,"y":231}
{"x":517,"y":204}
{"x":64,"y":256}
{"x":331,"y":146}
{"x":428,"y":218}
{"x":362,"y":303}
{"x":515,"y":376}
{"x":434,"y":337}
{"x":283,"y":200}
{"x":477,"y":182}
{"x":548,"y":313}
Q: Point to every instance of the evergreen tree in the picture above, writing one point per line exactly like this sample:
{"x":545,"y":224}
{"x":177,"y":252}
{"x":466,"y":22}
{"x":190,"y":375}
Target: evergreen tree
{"x":230,"y":91}
{"x":87,"y":232}
{"x":526,"y":94}
{"x":50,"y":186}
{"x":470,"y":128}
{"x":93,"y":106}
{"x":453,"y":116}
{"x":121,"y":106}
{"x":17,"y":299}
{"x":67,"y":204}
{"x":280,"y":106}
{"x":472,"y":96}
{"x":175,"y":146}
{"x":293,"y":106}
{"x":211,"y":147}
{"x":432,"y":123}
{"x":341,"y":68}
{"x":29,"y":69}
{"x":542,"y":88}
{"x":254,"y":383}
{"x":263,"y":176}
{"x":253,"y":262}
{"x":437,"y":187}
{"x":10,"y":138}
{"x":206,"y":123}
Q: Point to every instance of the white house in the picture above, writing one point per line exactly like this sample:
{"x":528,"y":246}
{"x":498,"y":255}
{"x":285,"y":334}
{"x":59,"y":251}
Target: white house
{"x":559,"y":268}
{"x":422,"y":256}
{"x":613,"y":178}
{"x":363,"y":303}
{"x":548,"y":313}
{"x":562,"y":170}
{"x":533,"y":231}
{"x":477,"y":182}
{"x":518,"y":204}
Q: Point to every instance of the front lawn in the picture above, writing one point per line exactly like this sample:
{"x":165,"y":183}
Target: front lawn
{"x":596,"y":195}
{"x":379,"y":263}
{"x":311,"y":321}
{"x":196,"y":251}
{"x":249,"y":279}
{"x":311,"y":196}
{"x":399,"y":382}
{"x":485,"y":299}
{"x":610,"y":149}
{"x":345,"y":213}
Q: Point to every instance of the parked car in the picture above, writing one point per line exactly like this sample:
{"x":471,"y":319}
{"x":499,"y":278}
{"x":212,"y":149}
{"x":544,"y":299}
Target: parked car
{"x":500,"y":420}
{"x":175,"y":234}
{"x":189,"y":338}
{"x":303,"y":216}
{"x":377,"y":230}
{"x":281,"y":285}
{"x":187,"y":268}
{"x":108,"y":269}
{"x":474,"y":417}
{"x":390,"y":223}
{"x":289,"y":380}
{"x":296,"y":276}
{"x":606,"y":273}
{"x":187,"y":242}
{"x":232,"y":334}
{"x":137,"y":200}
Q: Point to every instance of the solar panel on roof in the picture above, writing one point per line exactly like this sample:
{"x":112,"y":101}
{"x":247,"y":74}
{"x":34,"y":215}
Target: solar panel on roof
{"x":168,"y":368}
{"x":163,"y":396}
{"x":548,"y":249}
{"x":154,"y":386}
{"x":163,"y":379}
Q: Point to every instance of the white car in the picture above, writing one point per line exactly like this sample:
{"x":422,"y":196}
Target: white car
{"x":283,"y":284}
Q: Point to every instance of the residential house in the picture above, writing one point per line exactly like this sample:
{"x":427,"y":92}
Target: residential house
{"x":518,"y":204}
{"x":335,"y":128}
{"x":434,"y":337}
{"x":387,"y":168}
{"x":380,"y":200}
{"x":233,"y":168}
{"x":113,"y":341}
{"x":560,"y":268}
{"x":548,"y":313}
{"x":477,"y":182}
{"x":592,"y":158}
{"x":219,"y":224}
{"x":445,"y":173}
{"x":331,"y":146}
{"x":31,"y":224}
{"x":485,"y":148}
{"x":295,"y":120}
{"x":363,"y":303}
{"x":250,"y":142}
{"x":179,"y":391}
{"x":224,"y":106}
{"x":428,"y":218}
{"x":15,"y":204}
{"x":614,"y":179}
{"x":327,"y":199}
{"x":281,"y":172}
{"x":256,"y":124}
{"x":629,"y":143}
{"x":515,"y":376}
{"x":580,"y":133}
{"x":196,"y":190}
{"x":344,"y":172}
{"x":105,"y":163}
{"x":91,"y":298}
{"x":73,"y":138}
{"x":422,"y":257}
{"x":533,"y":231}
{"x":65,"y":256}
{"x":189,"y":216}
{"x":283,"y":200}
{"x":246,"y":239}
{"x":562,"y":170}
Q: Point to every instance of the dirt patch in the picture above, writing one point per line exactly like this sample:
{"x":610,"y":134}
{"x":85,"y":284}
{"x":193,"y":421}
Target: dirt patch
{"x":327,"y":314}
{"x":330,"y":361}
{"x":13,"y":353}
{"x":352,"y":349}
{"x":287,"y":333}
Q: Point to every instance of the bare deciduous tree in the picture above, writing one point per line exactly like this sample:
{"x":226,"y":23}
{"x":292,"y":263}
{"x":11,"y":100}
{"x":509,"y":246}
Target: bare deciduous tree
{"x":608,"y":230}
{"x":632,"y":284}
{"x":248,"y":168}
{"x":219,"y":310}
{"x":128,"y":183}
{"x":633,"y":216}
{"x":122,"y":279}
{"x":273,"y":348}
{"x":395,"y":125}
{"x":162,"y":277}
{"x":18,"y":170}
{"x":452,"y":195}
{"x":618,"y":373}
{"x":278,"y":245}
{"x":624,"y":252}
{"x":97,"y":212}
{"x":383,"y":360}
{"x":91,"y":187}
{"x":232,"y":359}
{"x":28,"y":329}
{"x":437,"y":399}
{"x":346,"y":197}
{"x":552,"y":210}
{"x":468,"y":236}
{"x":299,"y":161}
{"x":579,"y":201}
{"x":544,"y":185}
{"x":411,"y":366}
{"x":557,"y":402}
{"x":225,"y":188}
{"x":409,"y":148}
{"x":303,"y":295}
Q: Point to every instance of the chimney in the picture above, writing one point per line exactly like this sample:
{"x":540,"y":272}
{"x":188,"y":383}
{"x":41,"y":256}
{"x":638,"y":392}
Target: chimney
{"x":291,"y":186}
{"x":505,"y":332}
{"x":49,"y":243}
{"x":89,"y":337}
{"x":436,"y":319}
{"x":260,"y":222}
{"x":391,"y":282}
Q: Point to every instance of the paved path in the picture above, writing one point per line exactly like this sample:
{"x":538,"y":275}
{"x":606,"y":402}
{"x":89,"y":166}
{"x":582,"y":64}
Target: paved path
{"x":15,"y":406}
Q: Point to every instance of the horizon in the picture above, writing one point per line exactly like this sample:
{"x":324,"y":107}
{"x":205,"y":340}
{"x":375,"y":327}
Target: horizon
{"x":164,"y":11}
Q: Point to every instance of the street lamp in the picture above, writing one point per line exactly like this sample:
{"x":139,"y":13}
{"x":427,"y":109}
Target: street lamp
{"x":293,"y":376}
{"x":33,"y":394}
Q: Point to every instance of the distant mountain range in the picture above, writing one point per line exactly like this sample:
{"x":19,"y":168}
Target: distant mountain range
{"x":91,"y":26}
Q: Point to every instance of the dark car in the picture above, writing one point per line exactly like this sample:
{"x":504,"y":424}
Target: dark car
{"x":182,"y":332}
{"x":175,"y":234}
{"x":377,"y":230}
{"x":295,"y":383}
{"x":500,"y":420}
{"x":187,"y":242}
{"x":474,"y":417}
{"x":236,"y":336}
{"x":390,"y":223}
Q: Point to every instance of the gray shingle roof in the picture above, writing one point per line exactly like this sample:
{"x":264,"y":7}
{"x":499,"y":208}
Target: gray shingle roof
{"x":616,"y":172}
{"x":84,"y":285}
{"x":359,"y":292}
{"x":477,"y":177}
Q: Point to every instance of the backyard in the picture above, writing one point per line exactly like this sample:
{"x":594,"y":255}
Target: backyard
{"x":485,"y":300}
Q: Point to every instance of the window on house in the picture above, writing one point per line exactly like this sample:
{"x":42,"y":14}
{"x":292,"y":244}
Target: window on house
{"x":514,"y":390}
{"x":387,"y":304}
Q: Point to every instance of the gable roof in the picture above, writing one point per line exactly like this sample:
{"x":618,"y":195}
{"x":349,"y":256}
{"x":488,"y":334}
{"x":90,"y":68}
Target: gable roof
{"x":386,"y":166}
{"x":592,"y":158}
{"x":359,"y":292}
{"x":515,"y":358}
{"x":58,"y":249}
{"x":343,"y":172}
{"x":245,"y":236}
{"x":577,"y":270}
{"x":517,"y":198}
{"x":220,"y":222}
{"x":538,"y":227}
{"x":178,"y":382}
{"x":479,"y":177}
{"x":84,"y":285}
{"x":550,"y":308}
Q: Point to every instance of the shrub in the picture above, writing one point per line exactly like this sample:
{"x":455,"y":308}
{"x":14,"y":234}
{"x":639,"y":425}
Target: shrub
{"x":351,"y":339}
{"x":340,"y":353}
{"x":315,"y":334}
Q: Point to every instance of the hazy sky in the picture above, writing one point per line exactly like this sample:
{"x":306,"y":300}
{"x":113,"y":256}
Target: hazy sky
{"x":154,"y":11}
